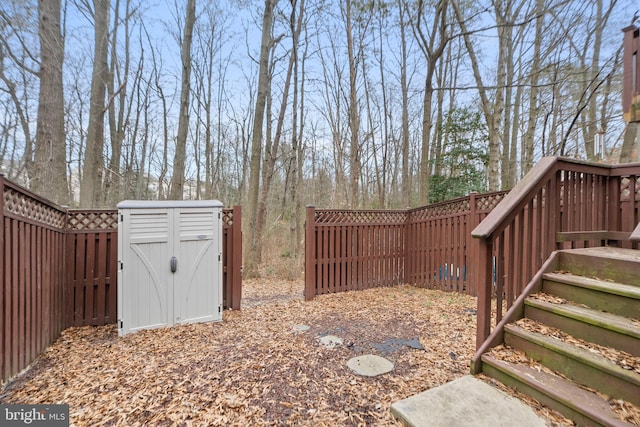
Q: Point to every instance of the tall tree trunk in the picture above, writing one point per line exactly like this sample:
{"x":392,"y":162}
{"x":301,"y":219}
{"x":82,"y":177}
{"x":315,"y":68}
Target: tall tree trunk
{"x":492,"y":111}
{"x":295,"y":224}
{"x":93,"y":169}
{"x":515,"y":129}
{"x":497,"y":115}
{"x":50,"y":178}
{"x":271,"y":153}
{"x":534,"y":110}
{"x":119,"y":74}
{"x":355,"y":164}
{"x":177,"y":179}
{"x":432,"y":47}
{"x":508,"y":180}
{"x":404,"y":89}
{"x":251,"y":255}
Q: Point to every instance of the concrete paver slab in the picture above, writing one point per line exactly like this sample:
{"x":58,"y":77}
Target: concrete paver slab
{"x":330,"y":341}
{"x":370,"y":365}
{"x":466,"y":401}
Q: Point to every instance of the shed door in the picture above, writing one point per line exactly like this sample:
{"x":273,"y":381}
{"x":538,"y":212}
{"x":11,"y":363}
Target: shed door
{"x":146,"y":299}
{"x":149,"y":294}
{"x":197,"y":281}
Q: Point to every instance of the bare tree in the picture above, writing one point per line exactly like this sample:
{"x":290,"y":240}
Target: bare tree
{"x":492,"y":107}
{"x":93,"y":167}
{"x":355,"y":165}
{"x":273,"y":147}
{"x":251,"y":252}
{"x":119,"y":107}
{"x":19,"y":72}
{"x":50,"y":176}
{"x":432,"y":45}
{"x":177,"y":179}
{"x":404,"y":88}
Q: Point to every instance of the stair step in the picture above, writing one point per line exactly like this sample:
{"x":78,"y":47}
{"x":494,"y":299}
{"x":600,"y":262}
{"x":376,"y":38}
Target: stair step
{"x":582,"y":366}
{"x":605,"y":263}
{"x":602,"y":295}
{"x":591,"y":325}
{"x":582,"y":406}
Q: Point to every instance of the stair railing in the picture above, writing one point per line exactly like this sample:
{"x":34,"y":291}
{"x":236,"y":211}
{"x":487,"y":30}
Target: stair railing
{"x":557,"y":195}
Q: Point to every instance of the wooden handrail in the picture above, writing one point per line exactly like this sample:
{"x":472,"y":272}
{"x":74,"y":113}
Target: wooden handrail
{"x":516,"y":196}
{"x":523,"y":189}
{"x":556,"y":198}
{"x":496,"y":221}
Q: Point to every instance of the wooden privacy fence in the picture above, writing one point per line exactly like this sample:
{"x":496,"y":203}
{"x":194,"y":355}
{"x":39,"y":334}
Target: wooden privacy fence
{"x":429,"y":246}
{"x":558,"y":200}
{"x":560,"y":203}
{"x":32,"y":240}
{"x":58,"y":269}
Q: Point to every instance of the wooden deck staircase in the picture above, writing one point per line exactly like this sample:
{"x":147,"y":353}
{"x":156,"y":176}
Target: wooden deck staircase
{"x":576,"y":343}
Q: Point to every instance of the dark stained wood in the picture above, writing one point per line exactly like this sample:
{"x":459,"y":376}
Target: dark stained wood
{"x":310,"y":258}
{"x":58,"y":268}
{"x":78,"y":279}
{"x":14,"y":284}
{"x":563,"y":203}
{"x":111,"y":309}
{"x":31,"y":286}
{"x":514,"y":235}
{"x":100,"y":293}
{"x":235,"y":263}
{"x":87,"y":285}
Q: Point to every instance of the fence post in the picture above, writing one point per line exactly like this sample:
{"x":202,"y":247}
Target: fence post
{"x":472,"y":246}
{"x":406,"y":254}
{"x":69,"y":250}
{"x":310,"y":254}
{"x":236,"y":258}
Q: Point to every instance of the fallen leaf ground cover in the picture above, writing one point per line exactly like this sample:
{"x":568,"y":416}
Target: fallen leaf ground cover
{"x":256,"y":367}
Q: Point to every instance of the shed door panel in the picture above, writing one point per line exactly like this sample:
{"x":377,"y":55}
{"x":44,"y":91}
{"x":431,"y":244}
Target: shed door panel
{"x":148,"y":270}
{"x":196,"y":291}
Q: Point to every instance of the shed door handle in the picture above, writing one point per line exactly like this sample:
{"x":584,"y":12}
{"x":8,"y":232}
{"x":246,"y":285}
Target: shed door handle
{"x":174,"y":264}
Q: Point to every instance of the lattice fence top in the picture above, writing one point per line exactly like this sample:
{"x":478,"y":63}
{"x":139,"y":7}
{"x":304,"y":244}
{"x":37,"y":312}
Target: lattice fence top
{"x":21,"y":204}
{"x":227,"y":217}
{"x":627,"y":188}
{"x":441,"y":209}
{"x":486,"y":202}
{"x":93,"y":220}
{"x":323,"y":216}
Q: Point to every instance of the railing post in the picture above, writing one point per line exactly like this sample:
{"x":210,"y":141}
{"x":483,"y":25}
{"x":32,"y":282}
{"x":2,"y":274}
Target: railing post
{"x":236,"y":258}
{"x":484,"y":274}
{"x":310,"y":254}
{"x":613,"y":198}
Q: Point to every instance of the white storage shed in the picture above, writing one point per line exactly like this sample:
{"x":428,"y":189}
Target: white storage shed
{"x":169,"y":263}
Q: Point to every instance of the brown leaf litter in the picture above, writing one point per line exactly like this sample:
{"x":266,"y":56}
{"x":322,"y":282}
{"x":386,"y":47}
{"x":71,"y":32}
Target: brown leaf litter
{"x":256,"y":367}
